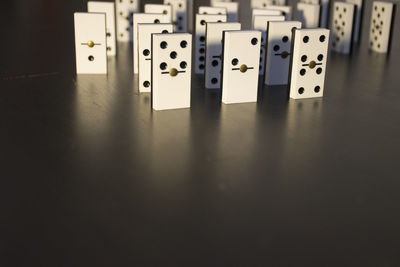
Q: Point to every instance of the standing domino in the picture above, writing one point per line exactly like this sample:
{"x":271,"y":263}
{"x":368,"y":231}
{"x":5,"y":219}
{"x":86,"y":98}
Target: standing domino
{"x":261,"y":23}
{"x":125,"y":9}
{"x":308,"y":15}
{"x":266,"y":3}
{"x":179,"y":14}
{"x":308,"y":63}
{"x":343,"y":27}
{"x":241,"y":57}
{"x":144,"y":18}
{"x":232,"y":9}
{"x":144,"y":38}
{"x":158,"y":9}
{"x":109,"y":9}
{"x":171,"y":70}
{"x":286,"y":10}
{"x":381,"y":29}
{"x":359,"y":5}
{"x":214,"y":34}
{"x":200,"y":47}
{"x":264,"y":12}
{"x":323,"y":22}
{"x":90,"y":43}
{"x":278,"y":51}
{"x":208,"y":10}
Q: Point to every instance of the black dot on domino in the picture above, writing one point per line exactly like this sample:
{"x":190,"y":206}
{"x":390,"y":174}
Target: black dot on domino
{"x":163,"y":66}
{"x":235,"y":61}
{"x":183,"y":44}
{"x":163,"y":45}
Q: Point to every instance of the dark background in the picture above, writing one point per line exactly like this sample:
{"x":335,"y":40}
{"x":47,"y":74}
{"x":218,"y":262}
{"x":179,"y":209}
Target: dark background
{"x":90,"y":176}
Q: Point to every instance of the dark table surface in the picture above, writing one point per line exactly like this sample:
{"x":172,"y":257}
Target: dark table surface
{"x":90,"y":176}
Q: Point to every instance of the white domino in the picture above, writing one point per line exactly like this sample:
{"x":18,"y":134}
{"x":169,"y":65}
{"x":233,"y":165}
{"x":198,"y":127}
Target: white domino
{"x":200,"y":41}
{"x":90,"y":43}
{"x":359,"y":6}
{"x":308,"y":15}
{"x":144,"y":18}
{"x":278,"y":51}
{"x":214,"y":35}
{"x":179,"y":14}
{"x":208,"y":10}
{"x":264,"y":12}
{"x":324,"y":10}
{"x":124,"y":11}
{"x":109,"y":9}
{"x":343,"y":27}
{"x":286,"y":10}
{"x":266,"y":3}
{"x":145,"y":32}
{"x":232,"y":9}
{"x":381,"y":28}
{"x":308,"y":63}
{"x":260,"y":23}
{"x":171,"y":70}
{"x":158,"y":9}
{"x":241,"y":58}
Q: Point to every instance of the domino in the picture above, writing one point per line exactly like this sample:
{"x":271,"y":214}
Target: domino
{"x":171,"y":70}
{"x":125,"y":9}
{"x":260,"y":23}
{"x":266,"y":12}
{"x":144,"y":18}
{"x":232,"y":9}
{"x":278,"y":51}
{"x":266,"y":3}
{"x":308,"y":14}
{"x":158,"y":9}
{"x":381,"y":29}
{"x":145,"y":32}
{"x":343,"y":27}
{"x":285,"y":10}
{"x":90,"y":43}
{"x":214,"y":34}
{"x":109,"y":9}
{"x":208,"y":10}
{"x":308,"y":63}
{"x":179,"y":14}
{"x":200,"y":43}
{"x":359,"y":6}
{"x":324,"y":12}
{"x":241,"y":58}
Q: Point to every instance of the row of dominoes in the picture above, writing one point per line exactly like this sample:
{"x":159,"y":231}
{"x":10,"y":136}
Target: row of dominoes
{"x":230,"y":58}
